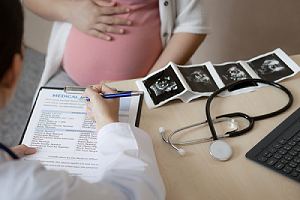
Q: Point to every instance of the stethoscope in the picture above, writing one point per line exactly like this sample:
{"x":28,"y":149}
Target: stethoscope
{"x":219,"y":149}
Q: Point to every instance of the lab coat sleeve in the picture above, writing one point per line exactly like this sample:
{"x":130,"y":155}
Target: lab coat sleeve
{"x":191,"y":17}
{"x":134,"y":167}
{"x":131,"y":173}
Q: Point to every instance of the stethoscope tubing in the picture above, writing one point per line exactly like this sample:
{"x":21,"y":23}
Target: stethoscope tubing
{"x":230,"y":117}
{"x":250,"y":119}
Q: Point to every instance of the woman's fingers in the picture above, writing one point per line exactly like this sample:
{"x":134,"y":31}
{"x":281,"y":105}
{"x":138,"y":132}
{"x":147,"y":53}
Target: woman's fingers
{"x":99,"y":35}
{"x":116,"y":10}
{"x":103,"y":28}
{"x":105,"y":25}
{"x":99,"y":17}
{"x":110,"y":20}
{"x":104,"y":2}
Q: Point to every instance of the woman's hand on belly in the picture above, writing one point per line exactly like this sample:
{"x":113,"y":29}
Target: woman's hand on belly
{"x":97,"y":17}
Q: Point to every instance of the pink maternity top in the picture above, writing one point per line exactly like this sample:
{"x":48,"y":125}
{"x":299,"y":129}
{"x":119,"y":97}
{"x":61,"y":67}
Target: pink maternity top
{"x":89,"y":60}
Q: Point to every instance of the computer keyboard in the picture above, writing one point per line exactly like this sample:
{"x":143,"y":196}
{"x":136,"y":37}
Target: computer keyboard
{"x":280,"y":149}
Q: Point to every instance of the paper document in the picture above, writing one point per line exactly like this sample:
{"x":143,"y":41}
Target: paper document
{"x":66,"y":139}
{"x":188,"y":82}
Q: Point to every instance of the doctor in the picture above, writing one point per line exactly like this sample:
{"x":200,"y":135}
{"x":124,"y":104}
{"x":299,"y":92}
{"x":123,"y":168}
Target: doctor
{"x":30,"y":180}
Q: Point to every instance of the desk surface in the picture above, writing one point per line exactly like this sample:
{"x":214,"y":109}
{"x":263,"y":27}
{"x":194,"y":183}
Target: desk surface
{"x":197,"y":175}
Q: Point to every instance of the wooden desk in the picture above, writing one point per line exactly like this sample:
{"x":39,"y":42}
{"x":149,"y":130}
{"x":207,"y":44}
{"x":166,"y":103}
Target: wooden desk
{"x":197,"y":175}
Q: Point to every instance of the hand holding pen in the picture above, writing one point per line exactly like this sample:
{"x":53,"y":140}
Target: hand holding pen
{"x":101,"y":110}
{"x":102,"y":102}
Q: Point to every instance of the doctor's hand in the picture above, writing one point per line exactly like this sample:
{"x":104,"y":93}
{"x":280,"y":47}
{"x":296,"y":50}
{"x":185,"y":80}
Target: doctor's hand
{"x":97,"y":17}
{"x":103,"y":111}
{"x":23,"y":150}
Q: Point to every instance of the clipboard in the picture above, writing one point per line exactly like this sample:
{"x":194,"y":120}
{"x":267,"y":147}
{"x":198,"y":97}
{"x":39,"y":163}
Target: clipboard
{"x":65,"y":138}
{"x":135,"y":108}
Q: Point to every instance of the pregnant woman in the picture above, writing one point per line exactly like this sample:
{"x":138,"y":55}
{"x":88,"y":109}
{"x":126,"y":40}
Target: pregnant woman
{"x":96,"y":40}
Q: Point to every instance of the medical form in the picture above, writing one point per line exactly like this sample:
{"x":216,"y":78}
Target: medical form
{"x":65,"y":138}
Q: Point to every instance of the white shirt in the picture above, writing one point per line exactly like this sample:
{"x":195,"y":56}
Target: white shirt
{"x":175,"y":15}
{"x":133,"y":172}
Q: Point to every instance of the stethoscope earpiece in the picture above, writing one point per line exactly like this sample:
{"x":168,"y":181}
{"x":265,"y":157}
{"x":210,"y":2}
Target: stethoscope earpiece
{"x":181,"y":152}
{"x":162,"y":132}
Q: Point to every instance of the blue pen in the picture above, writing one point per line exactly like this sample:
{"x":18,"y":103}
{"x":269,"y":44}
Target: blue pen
{"x":118,"y":95}
{"x":80,"y":90}
{"x":122,"y":94}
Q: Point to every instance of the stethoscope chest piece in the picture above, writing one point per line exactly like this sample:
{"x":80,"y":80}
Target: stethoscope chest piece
{"x":220,"y":150}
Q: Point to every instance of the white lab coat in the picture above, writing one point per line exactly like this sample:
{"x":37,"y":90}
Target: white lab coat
{"x":175,"y":15}
{"x":132,"y":174}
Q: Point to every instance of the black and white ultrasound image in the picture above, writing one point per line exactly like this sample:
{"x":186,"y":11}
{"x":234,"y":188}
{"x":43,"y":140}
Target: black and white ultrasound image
{"x":199,"y":79}
{"x":270,"y":68}
{"x":232,"y":72}
{"x":163,"y":85}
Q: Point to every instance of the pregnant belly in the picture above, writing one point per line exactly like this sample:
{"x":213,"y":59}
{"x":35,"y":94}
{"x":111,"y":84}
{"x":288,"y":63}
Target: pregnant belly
{"x":89,"y":60}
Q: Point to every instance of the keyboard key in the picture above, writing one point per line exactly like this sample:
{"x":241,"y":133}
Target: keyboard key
{"x":273,"y":150}
{"x":271,"y":161}
{"x":284,"y":161}
{"x":288,"y":157}
{"x":262,"y":158}
{"x":279,"y":165}
{"x":287,"y":170}
{"x":293,"y":153}
{"x":297,"y":159}
{"x":282,"y":151}
{"x":267,"y":154}
{"x":287,"y":147}
{"x":296,"y":139}
{"x":277,"y":156}
{"x":293,"y":164}
{"x":298,"y":169}
{"x":296,"y":148}
{"x":277,"y":146}
{"x":292,"y":143}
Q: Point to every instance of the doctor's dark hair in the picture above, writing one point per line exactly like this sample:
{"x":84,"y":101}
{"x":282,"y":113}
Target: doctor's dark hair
{"x":11,"y":32}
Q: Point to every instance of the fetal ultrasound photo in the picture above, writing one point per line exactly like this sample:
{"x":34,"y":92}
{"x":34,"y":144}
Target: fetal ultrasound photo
{"x":270,"y":67}
{"x":198,"y":78}
{"x":163,"y":85}
{"x":231,"y":72}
